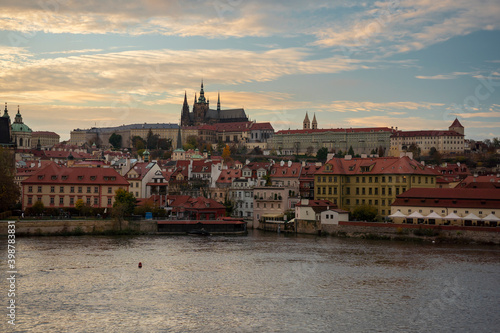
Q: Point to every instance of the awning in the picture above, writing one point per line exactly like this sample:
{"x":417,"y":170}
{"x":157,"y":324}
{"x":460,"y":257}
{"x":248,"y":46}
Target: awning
{"x":452,"y":216}
{"x":397,"y":214}
{"x":472,"y":217}
{"x":433,"y":215}
{"x":491,"y":217}
{"x":416,"y":215}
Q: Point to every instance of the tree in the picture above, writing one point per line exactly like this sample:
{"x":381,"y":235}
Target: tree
{"x":152,"y":140}
{"x":229,"y":206}
{"x":138,"y":143}
{"x":124,"y":202}
{"x":340,"y":154}
{"x":79,"y":205}
{"x":322,"y":154}
{"x":435,"y":155}
{"x":365,"y":213}
{"x":38,"y":208}
{"x":165,"y":144}
{"x":9,"y":191}
{"x":191,"y":142}
{"x":309,"y":150}
{"x":226,"y":154}
{"x":351,"y":151}
{"x":115,"y":140}
{"x":415,"y":150}
{"x":381,"y":151}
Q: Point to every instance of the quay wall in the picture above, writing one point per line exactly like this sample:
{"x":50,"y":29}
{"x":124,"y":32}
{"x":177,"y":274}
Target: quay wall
{"x":46,"y":227}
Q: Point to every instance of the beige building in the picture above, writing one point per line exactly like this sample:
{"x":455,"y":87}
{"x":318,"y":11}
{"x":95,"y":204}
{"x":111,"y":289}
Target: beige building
{"x":310,"y":139}
{"x":61,"y":187}
{"x":101,"y":135}
{"x":44,"y":138}
{"x":449,"y":141}
{"x":448,"y":206}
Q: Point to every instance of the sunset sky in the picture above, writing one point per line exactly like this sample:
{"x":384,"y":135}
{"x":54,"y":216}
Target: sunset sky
{"x":414,"y":64}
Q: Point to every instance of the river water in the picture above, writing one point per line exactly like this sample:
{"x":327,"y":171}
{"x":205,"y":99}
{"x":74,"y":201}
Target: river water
{"x":263,"y":282}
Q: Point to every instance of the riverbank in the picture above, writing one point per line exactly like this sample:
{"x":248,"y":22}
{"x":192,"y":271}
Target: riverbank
{"x":412,"y":232}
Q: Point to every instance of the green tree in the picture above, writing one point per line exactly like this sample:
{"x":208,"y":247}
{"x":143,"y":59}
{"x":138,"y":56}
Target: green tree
{"x":351,"y":151}
{"x":38,"y":208}
{"x":124,"y":202}
{"x":229,"y":206}
{"x":322,"y":154}
{"x":340,"y":154}
{"x":79,"y":206}
{"x":152,"y":140}
{"x":435,"y":155}
{"x":9,"y":191}
{"x":138,"y":143}
{"x":115,"y":140}
{"x":191,"y":143}
{"x":415,"y":150}
{"x":364,"y":213}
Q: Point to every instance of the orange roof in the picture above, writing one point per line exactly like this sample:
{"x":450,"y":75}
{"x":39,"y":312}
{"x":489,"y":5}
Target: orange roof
{"x":340,"y":130}
{"x":54,"y":174}
{"x":375,"y":166}
{"x":425,"y":133}
{"x":233,"y":127}
{"x":450,"y":197}
{"x":228,"y":175}
{"x":286,"y":171}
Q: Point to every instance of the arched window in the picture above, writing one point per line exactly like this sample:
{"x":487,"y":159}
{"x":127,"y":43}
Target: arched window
{"x":20,"y":142}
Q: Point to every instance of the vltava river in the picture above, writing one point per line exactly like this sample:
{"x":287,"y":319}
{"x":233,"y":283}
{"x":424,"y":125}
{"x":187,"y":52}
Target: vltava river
{"x":259,"y":283}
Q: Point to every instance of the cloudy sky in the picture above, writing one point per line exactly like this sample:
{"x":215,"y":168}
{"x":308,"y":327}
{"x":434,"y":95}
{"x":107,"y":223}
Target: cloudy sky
{"x":414,"y":64}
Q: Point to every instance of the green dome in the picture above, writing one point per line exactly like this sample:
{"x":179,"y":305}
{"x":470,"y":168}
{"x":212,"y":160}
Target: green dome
{"x":16,"y":127}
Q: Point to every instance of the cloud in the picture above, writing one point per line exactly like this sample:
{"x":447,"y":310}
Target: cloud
{"x":392,"y":27}
{"x":146,"y":72}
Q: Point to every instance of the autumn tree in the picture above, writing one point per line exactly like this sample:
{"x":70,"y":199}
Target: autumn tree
{"x":226,"y":154}
{"x":124,"y":202}
{"x":364,"y":213}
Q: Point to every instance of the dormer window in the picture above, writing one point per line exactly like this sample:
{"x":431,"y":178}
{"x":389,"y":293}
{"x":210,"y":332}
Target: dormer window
{"x":80,"y":177}
{"x":93,"y":177}
{"x":53,"y":177}
{"x":40,"y":177}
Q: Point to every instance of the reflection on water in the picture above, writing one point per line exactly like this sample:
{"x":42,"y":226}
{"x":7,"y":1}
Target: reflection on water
{"x":260,"y":283}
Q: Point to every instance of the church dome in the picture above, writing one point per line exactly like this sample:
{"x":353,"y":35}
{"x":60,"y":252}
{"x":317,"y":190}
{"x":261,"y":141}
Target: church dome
{"x":17,"y":127}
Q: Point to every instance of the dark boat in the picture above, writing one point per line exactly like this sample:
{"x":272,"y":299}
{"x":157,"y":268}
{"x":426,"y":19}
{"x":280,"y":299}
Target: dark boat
{"x":198,"y":232}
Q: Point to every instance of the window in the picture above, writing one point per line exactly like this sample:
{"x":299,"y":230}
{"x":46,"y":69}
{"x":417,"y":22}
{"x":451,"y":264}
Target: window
{"x":95,"y":202}
{"x":96,"y":189}
{"x":71,"y":201}
{"x":39,"y":189}
{"x":329,"y":190}
{"x":348,"y":201}
{"x":109,"y":190}
{"x":389,"y":190}
{"x":30,"y":189}
{"x":370,"y":191}
{"x":72,"y":189}
{"x":80,"y":189}
{"x":30,"y":200}
{"x":88,"y":189}
{"x":61,"y":200}
{"x":348,"y":190}
{"x":335,"y":190}
{"x":357,"y":190}
{"x":61,"y":189}
{"x":52,"y":189}
{"x":363,"y":191}
{"x":88,"y":201}
{"x":109,"y":201}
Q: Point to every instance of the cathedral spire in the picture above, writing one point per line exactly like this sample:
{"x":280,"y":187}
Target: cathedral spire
{"x":314,"y":122}
{"x":201,"y":99}
{"x":218,"y":101}
{"x":185,"y":111}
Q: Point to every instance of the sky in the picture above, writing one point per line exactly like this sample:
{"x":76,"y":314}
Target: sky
{"x":411,"y":64}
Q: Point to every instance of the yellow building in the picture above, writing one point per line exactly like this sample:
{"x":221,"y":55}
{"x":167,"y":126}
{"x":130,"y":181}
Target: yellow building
{"x":61,"y":187}
{"x":370,"y":181}
{"x":445,"y":142}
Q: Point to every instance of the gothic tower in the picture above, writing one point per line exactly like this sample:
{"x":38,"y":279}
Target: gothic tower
{"x":307,"y":123}
{"x":185,"y":121}
{"x":314,"y":122}
{"x":200,"y":108}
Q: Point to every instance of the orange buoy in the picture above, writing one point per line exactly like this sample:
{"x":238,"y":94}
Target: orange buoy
{"x":140,"y":265}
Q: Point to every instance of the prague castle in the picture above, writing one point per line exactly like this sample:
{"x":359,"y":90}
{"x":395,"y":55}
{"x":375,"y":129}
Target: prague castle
{"x":202,"y":114}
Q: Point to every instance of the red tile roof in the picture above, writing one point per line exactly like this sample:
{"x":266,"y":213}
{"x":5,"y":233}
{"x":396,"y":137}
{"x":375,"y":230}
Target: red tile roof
{"x":424,"y":133}
{"x":339,"y":130}
{"x":261,"y":126}
{"x":286,"y":171}
{"x":450,"y":197}
{"x":375,"y":165}
{"x":317,"y":203}
{"x":233,"y":127}
{"x":456,"y":123}
{"x":492,"y":181}
{"x":54,"y":174}
{"x":228,"y":175}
